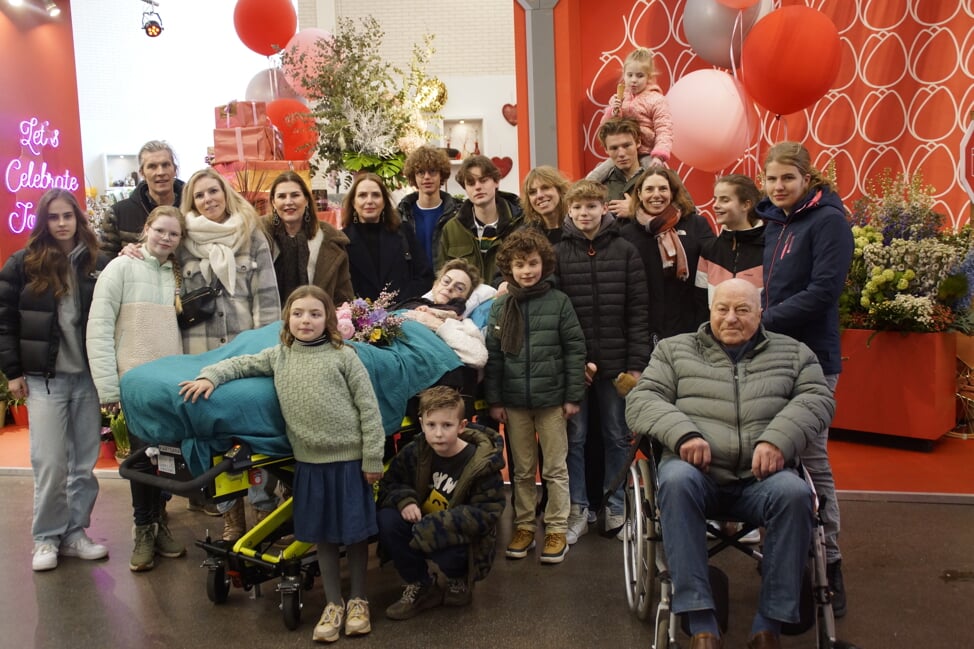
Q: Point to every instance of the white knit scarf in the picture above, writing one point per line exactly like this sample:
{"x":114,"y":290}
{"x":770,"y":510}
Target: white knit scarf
{"x":215,"y":245}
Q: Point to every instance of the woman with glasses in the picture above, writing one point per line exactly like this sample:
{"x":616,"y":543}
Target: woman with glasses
{"x":133,"y":321}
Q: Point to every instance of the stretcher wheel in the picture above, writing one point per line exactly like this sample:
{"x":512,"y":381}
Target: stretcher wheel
{"x":291,"y":608}
{"x":662,"y":628}
{"x":217,"y":584}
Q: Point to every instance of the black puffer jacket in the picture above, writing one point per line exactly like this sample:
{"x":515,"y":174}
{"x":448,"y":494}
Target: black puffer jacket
{"x":29,"y":332}
{"x":450,"y":206}
{"x":606,"y":282}
{"x":125,"y":220}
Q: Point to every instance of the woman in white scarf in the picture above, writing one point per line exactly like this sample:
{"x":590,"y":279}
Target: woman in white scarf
{"x":224,"y":248}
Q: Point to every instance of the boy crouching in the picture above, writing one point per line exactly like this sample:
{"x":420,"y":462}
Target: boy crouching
{"x":440,"y":500}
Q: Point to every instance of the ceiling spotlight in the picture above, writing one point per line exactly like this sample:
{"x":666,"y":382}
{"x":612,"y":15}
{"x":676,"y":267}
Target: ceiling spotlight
{"x":151,"y":22}
{"x":52,"y":9}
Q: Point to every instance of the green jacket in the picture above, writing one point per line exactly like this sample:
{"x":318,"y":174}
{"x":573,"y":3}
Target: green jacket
{"x":458,"y":241}
{"x":475,"y":506}
{"x":775,"y":393}
{"x":550,"y":368}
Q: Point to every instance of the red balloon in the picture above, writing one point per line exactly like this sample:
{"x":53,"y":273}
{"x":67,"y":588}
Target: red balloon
{"x":790,"y":59}
{"x":738,"y":4}
{"x":297,"y":126}
{"x":265,"y":26}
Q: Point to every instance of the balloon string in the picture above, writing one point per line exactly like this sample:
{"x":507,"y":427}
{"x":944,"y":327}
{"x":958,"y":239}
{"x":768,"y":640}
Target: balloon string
{"x":273,"y":84}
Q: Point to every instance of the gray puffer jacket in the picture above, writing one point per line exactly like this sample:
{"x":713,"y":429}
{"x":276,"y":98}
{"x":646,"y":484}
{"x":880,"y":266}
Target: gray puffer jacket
{"x":775,"y":393}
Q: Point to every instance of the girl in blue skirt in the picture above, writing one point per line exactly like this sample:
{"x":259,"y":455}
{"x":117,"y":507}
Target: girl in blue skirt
{"x":335,"y":429}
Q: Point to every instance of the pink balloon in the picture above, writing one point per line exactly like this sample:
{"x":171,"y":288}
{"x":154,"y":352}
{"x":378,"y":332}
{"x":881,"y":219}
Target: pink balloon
{"x":714,"y":122}
{"x":305,"y":56}
{"x":738,"y":4}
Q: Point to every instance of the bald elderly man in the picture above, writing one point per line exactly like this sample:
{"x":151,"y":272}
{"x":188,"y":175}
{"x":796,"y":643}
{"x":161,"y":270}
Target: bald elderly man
{"x":733,"y":406}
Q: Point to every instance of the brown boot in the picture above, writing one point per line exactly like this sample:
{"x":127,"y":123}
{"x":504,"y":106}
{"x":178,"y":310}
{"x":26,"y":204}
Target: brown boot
{"x":234,"y":522}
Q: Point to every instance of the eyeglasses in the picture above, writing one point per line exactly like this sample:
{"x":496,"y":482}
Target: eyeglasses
{"x":428,"y":172}
{"x":166,"y":234}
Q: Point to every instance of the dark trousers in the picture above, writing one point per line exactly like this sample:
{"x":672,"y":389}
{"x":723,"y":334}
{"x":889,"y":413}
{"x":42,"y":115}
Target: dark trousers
{"x":395,"y":533}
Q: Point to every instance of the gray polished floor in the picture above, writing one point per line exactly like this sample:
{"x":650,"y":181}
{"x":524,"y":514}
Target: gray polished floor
{"x":895,"y":557}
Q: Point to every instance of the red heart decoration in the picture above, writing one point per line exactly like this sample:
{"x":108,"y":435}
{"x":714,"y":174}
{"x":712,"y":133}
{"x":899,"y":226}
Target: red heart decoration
{"x":504,"y":165}
{"x":510,"y":113}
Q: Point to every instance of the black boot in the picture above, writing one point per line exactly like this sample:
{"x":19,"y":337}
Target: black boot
{"x":833,"y":571}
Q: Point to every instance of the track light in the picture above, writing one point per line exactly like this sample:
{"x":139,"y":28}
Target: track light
{"x":151,"y":22}
{"x":52,"y":9}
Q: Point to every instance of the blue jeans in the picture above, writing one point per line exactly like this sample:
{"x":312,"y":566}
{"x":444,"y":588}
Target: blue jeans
{"x":782,"y":503}
{"x":65,"y":428}
{"x":616,"y":439}
{"x":395,"y":533}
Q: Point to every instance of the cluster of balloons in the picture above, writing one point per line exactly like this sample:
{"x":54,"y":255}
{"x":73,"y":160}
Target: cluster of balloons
{"x":269,"y":27}
{"x":787,"y":60}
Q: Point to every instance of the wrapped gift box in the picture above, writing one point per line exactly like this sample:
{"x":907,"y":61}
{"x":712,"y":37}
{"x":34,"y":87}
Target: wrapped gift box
{"x":253,"y":178}
{"x":242,"y":113}
{"x":245,"y":143}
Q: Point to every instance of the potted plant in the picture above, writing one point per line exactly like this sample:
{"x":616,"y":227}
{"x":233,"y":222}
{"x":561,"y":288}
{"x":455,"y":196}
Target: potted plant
{"x":908,"y":288}
{"x":18,"y":410}
{"x":120,"y":433}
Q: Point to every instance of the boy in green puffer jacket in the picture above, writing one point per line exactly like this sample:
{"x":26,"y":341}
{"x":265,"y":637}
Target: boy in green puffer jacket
{"x":534,"y":382}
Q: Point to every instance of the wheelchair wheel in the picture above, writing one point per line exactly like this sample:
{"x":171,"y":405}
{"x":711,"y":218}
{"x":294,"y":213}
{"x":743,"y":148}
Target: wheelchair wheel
{"x":291,"y":608}
{"x":633,"y":537}
{"x":217,"y":584}
{"x":649,"y":531}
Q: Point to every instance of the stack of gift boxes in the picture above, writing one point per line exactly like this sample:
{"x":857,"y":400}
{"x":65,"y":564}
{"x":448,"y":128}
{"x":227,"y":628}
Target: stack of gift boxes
{"x":247,"y":151}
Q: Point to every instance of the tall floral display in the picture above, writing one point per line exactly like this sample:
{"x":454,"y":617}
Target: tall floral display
{"x":908,"y":273}
{"x":369,"y":114}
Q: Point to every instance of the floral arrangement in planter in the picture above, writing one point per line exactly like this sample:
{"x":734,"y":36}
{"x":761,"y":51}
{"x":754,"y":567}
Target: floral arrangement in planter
{"x":369,"y":114}
{"x":907,"y":273}
{"x":367,"y":321}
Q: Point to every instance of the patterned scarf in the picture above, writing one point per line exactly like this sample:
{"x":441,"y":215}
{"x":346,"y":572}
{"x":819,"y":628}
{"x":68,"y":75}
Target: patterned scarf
{"x":215,"y":245}
{"x":663,"y":229}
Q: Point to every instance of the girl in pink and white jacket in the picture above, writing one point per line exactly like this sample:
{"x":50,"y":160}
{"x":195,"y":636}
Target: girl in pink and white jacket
{"x":639,"y":98}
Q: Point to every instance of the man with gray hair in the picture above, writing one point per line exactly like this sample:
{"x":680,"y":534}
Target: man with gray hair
{"x":125,"y":220}
{"x":733,"y":406}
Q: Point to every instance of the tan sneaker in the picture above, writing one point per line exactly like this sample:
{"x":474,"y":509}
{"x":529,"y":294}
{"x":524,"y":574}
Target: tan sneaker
{"x":357,"y":617}
{"x":521,"y":544}
{"x":329,"y":627}
{"x":555,"y":548}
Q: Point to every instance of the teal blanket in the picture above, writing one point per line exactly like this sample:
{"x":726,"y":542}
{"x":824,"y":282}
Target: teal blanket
{"x":248,"y":409}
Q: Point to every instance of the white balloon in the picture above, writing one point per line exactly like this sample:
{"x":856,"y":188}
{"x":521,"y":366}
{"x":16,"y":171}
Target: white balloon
{"x":268,"y":85}
{"x":710,"y":29}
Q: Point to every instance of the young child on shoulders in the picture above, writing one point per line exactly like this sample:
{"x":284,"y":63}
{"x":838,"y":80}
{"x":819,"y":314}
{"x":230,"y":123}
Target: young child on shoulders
{"x":440,"y":500}
{"x":640,"y":98}
{"x":338,"y":444}
{"x":535,"y":380}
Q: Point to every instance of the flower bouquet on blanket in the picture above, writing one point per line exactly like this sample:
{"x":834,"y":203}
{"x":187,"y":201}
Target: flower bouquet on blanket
{"x":248,"y":408}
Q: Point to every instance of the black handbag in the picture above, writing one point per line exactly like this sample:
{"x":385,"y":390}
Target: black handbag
{"x":198,"y":306}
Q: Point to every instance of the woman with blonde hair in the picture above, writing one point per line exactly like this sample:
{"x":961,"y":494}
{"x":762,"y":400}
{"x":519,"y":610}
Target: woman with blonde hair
{"x":226,"y":250}
{"x":542,"y":197}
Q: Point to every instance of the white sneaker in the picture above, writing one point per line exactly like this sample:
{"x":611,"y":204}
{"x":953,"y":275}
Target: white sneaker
{"x":45,"y":557}
{"x":84,"y":548}
{"x":615,"y":522}
{"x":591,"y":516}
{"x":577,"y":524}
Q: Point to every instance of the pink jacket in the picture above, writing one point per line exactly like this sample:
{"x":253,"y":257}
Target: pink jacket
{"x":650,"y":109}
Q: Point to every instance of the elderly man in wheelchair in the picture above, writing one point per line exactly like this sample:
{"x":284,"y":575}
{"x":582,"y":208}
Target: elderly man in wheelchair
{"x":733,"y":407}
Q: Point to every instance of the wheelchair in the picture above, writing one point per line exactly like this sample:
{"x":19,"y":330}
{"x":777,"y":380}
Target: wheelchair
{"x":647,"y":578}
